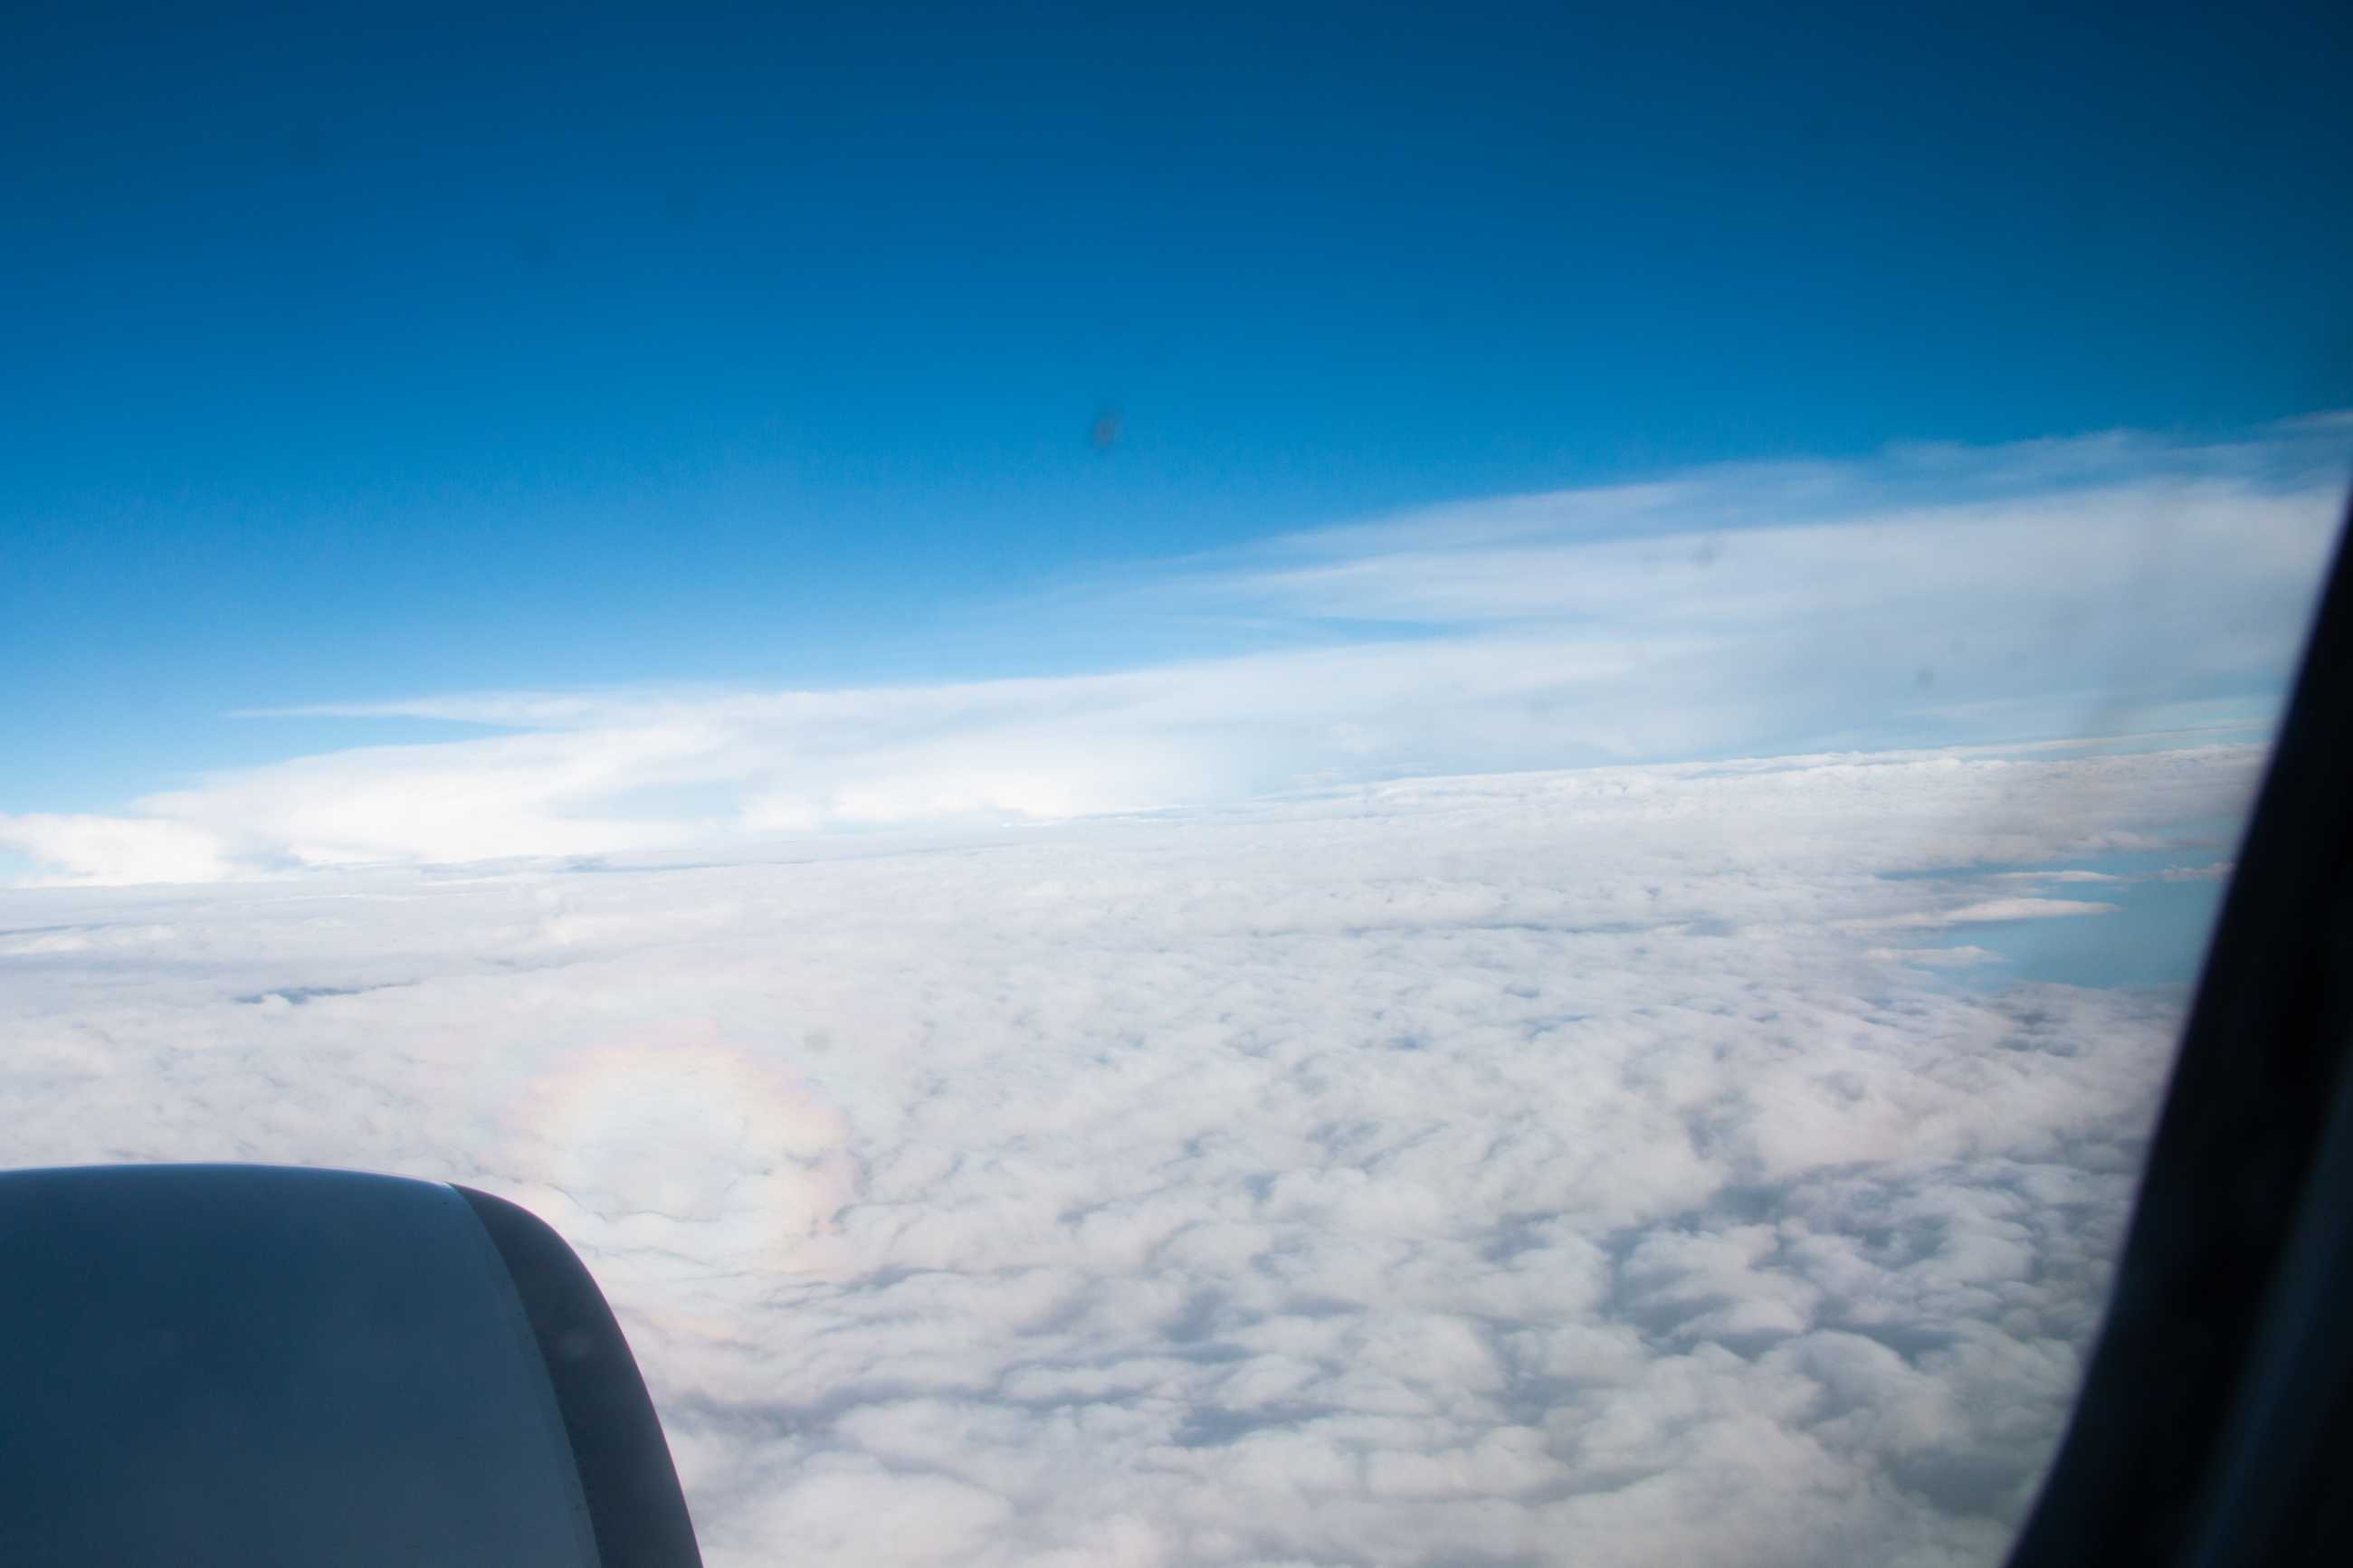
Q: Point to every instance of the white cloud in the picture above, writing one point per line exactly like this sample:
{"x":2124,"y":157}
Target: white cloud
{"x":2104,"y":586}
{"x":1547,"y":1167}
{"x":1964,"y":957}
{"x":1216,"y":1113}
{"x":1992,"y":912}
{"x":116,"y":849}
{"x":2065,"y":876}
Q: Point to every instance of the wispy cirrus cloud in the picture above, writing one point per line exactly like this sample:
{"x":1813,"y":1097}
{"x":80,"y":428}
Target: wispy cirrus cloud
{"x":1934,"y":596}
{"x":1991,"y":912}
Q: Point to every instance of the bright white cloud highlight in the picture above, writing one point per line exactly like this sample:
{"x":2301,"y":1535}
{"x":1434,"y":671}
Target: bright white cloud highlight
{"x":115,"y":849}
{"x":1545,"y":1168}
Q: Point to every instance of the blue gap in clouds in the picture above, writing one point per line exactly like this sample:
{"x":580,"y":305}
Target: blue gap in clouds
{"x":2156,"y":936}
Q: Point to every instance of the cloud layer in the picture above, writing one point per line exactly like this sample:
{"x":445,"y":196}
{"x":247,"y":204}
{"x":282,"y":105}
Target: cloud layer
{"x":1629,"y":1165}
{"x":1928,"y":596}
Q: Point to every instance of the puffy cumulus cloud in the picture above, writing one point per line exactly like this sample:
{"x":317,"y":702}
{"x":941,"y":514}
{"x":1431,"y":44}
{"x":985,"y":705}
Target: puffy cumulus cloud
{"x":1928,"y":596}
{"x":1571,"y":1167}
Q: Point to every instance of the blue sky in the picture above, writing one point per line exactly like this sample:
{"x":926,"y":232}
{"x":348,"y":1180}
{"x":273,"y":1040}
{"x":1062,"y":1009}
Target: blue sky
{"x":353,"y":361}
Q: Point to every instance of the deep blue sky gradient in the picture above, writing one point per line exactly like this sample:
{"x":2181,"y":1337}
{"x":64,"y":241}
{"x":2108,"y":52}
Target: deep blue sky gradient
{"x":348,"y":359}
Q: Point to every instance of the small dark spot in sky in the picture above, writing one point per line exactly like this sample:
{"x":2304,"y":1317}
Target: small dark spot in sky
{"x":1105,"y":431}
{"x":1925,"y":676}
{"x":1705,"y":554}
